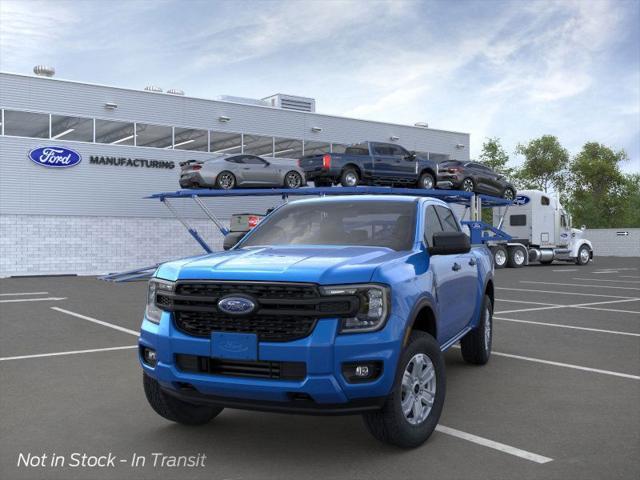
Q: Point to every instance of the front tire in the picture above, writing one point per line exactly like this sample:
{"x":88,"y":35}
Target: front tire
{"x":174,"y":409}
{"x":426,"y":181}
{"x":468,"y":185}
{"x":584,"y":255}
{"x":225,"y":180}
{"x":412,"y":409}
{"x":349,"y":178}
{"x":509,"y":194}
{"x":476,"y":345}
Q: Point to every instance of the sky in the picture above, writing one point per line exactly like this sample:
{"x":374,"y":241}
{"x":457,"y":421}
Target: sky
{"x":514,"y":69}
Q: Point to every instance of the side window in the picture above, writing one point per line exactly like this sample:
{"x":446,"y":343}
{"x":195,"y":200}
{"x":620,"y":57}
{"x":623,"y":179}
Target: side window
{"x":449,"y":222}
{"x":563,"y":221}
{"x":253,"y":160}
{"x":398,"y":151}
{"x":382,"y":150}
{"x":544,"y":200}
{"x":431,"y":225}
{"x":237,"y":159}
{"x":517,"y":220}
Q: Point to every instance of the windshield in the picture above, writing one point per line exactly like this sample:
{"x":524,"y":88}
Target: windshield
{"x":346,"y":222}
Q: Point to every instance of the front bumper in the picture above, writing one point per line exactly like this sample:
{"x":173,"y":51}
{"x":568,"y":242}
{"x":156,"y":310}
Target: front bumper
{"x":323,"y":390}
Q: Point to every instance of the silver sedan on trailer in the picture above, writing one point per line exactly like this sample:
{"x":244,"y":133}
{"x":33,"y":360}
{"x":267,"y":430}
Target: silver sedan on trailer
{"x":231,"y":171}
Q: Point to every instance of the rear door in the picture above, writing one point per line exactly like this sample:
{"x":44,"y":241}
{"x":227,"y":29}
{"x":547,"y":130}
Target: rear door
{"x":456,"y":278}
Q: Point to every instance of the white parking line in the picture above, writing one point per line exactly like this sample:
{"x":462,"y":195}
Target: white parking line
{"x":95,"y":320}
{"x":485,"y":442}
{"x":526,"y":301}
{"x":22,"y":293}
{"x":72,"y":352}
{"x":588,"y":306}
{"x":564,"y":293}
{"x":567,"y":270}
{"x":532,"y":309}
{"x":603,"y":280}
{"x":47,"y":299}
{"x":544,"y":324}
{"x":567,"y":365}
{"x":635,"y":312}
{"x":581,"y":285}
{"x":629,"y":276}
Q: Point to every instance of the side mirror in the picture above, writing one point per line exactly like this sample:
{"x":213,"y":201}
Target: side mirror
{"x":583,"y":227}
{"x":449,"y":243}
{"x":411,"y":156}
{"x":231,"y":239}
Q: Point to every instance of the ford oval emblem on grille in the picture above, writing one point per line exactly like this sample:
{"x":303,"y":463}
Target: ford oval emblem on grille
{"x":236,"y":305}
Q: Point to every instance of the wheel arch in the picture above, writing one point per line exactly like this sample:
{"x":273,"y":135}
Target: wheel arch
{"x":428,"y":170}
{"x":354,"y":166}
{"x":422,"y":318}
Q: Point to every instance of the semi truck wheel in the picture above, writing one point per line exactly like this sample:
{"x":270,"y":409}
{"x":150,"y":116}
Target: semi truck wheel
{"x":476,"y":345}
{"x":517,"y":257}
{"x":176,"y":410}
{"x":584,"y":255}
{"x":500,"y":256}
{"x":413,"y":407}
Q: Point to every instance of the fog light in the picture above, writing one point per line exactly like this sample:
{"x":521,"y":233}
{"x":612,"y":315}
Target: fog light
{"x":149,"y":356}
{"x":358,"y":372}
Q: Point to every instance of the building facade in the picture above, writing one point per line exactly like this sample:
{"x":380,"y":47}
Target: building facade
{"x":92,"y":217}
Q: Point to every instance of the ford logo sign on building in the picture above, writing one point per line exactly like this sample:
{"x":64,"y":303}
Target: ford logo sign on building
{"x":55,"y":157}
{"x":236,"y":305}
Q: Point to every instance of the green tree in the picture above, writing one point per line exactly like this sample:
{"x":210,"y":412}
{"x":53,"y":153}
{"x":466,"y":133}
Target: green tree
{"x":494,"y":156}
{"x":599,"y":194}
{"x":545,"y":164}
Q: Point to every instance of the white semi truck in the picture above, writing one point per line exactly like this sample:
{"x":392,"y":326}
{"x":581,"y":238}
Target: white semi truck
{"x":541,"y":232}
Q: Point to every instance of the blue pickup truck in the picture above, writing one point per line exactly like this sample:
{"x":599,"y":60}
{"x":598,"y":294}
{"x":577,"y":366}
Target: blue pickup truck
{"x":371,"y":163}
{"x":333,"y":305}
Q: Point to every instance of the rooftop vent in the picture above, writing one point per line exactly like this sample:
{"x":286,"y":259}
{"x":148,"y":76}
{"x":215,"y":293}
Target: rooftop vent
{"x":291,"y":102}
{"x":44,"y":71}
{"x":175,"y":91}
{"x":153,"y":88}
{"x":244,"y":100}
{"x":421,"y":124}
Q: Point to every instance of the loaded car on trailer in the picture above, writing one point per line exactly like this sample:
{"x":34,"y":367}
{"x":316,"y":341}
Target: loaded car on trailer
{"x":333,"y":305}
{"x":475,"y":177}
{"x":371,"y":163}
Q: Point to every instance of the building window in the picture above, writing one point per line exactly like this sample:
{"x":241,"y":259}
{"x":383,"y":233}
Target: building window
{"x":287,"y":148}
{"x":258,"y":145}
{"x":71,"y":128}
{"x":191,"y":139}
{"x":156,"y":136}
{"x":26,"y":124}
{"x":115,"y":133}
{"x":226,"y":143}
{"x":316,"y":148}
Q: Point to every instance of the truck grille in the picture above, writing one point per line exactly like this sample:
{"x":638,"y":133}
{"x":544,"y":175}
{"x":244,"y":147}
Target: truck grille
{"x":242,"y":368}
{"x":284,"y":311}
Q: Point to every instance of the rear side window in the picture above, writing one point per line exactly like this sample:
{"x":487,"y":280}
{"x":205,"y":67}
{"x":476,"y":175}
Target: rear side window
{"x":518,"y":220}
{"x":449,"y":222}
{"x":431,"y":225}
{"x":357,"y":149}
{"x":238,"y":159}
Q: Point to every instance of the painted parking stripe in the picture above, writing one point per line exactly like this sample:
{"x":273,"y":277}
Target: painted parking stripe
{"x":22,"y":293}
{"x":535,"y":309}
{"x":567,"y":270}
{"x":634,"y":312}
{"x":578,"y":305}
{"x":564,"y":293}
{"x":629,"y":276}
{"x":567,"y":365}
{"x":485,"y":442}
{"x":526,"y":301}
{"x":573,"y":327}
{"x":603,"y":280}
{"x":581,"y":285}
{"x":72,"y":352}
{"x":47,"y":299}
{"x":95,"y":320}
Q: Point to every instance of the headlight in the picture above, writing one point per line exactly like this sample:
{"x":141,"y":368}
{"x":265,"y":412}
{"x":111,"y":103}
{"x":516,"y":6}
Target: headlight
{"x":153,"y":311}
{"x":374,"y":306}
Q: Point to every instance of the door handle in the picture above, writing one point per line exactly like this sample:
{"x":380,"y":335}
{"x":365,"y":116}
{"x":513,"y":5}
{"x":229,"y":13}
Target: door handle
{"x":246,"y":168}
{"x":456,"y":267}
{"x":472,"y":262}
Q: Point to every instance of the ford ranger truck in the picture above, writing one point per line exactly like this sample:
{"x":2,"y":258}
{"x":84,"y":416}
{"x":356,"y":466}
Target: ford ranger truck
{"x":334,"y":305}
{"x":371,"y":163}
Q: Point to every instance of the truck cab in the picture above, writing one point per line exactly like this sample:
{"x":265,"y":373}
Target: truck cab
{"x":538,"y":222}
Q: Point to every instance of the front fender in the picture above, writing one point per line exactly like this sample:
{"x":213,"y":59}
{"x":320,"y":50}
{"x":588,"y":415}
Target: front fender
{"x":579,"y":243}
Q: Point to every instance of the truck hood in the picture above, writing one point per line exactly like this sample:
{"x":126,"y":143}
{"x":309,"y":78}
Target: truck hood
{"x":321,"y":264}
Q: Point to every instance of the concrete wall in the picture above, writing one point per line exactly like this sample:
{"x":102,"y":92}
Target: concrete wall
{"x":608,"y":242}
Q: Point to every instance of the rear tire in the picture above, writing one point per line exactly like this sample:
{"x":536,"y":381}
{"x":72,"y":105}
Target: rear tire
{"x":349,"y":178}
{"x":517,"y":257}
{"x":225,"y":180}
{"x":419,"y":390}
{"x":500,"y":256}
{"x":293,"y":180}
{"x":476,"y":345}
{"x":174,"y":409}
{"x":509,"y":194}
{"x":468,"y":185}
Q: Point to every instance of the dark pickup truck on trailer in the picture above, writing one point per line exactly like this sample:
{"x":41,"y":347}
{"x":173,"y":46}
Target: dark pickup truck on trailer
{"x":370,"y":163}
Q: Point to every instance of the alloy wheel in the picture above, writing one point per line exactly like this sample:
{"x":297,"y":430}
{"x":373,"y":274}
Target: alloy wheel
{"x":487,"y":328}
{"x":467,"y":185}
{"x":293,"y":180}
{"x":418,"y":389}
{"x":351,"y":179}
{"x":226,"y":181}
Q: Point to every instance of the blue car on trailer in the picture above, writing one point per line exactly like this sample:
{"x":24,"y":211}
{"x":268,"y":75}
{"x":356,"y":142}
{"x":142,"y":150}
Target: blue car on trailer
{"x":341,"y":304}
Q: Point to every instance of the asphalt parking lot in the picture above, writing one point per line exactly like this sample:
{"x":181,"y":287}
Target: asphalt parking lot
{"x":560,"y":398}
